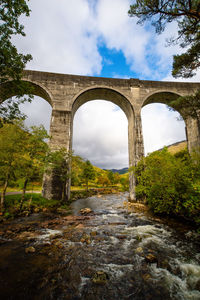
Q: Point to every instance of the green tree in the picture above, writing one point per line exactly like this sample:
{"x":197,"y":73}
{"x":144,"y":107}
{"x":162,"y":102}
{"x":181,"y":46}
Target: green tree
{"x":35,"y":149}
{"x":11,"y":153}
{"x":111,"y":177}
{"x":22,"y":155}
{"x":77,"y":165}
{"x":103,"y":179}
{"x":169,"y":183}
{"x":116,"y":178}
{"x":187,"y":15}
{"x":124,"y":181}
{"x":88,"y":172}
{"x":12,"y":63}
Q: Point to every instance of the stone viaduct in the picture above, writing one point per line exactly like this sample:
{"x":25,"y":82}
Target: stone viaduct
{"x":66,"y":93}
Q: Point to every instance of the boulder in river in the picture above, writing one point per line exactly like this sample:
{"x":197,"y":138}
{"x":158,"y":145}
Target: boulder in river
{"x":85,"y":211}
{"x":30,"y":250}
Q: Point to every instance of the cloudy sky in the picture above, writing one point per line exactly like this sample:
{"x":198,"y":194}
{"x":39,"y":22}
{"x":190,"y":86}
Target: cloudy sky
{"x":98,"y":38}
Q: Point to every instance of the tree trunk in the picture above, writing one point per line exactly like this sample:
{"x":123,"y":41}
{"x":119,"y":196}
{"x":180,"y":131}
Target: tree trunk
{"x":23,"y":193}
{"x":3,"y":194}
{"x":198,"y":124}
{"x":87,"y":185}
{"x":64,"y":192}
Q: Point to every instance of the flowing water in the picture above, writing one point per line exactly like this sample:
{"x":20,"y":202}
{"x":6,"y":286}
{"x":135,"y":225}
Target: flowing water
{"x":112,"y":253}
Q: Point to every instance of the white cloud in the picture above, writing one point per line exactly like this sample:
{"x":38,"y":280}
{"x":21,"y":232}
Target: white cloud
{"x":101,"y":134}
{"x":118,"y":32}
{"x":160,"y":127}
{"x":38,"y":112}
{"x":61,"y":38}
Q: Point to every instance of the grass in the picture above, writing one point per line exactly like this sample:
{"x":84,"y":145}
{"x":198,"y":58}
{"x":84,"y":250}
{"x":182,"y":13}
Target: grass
{"x":33,"y":202}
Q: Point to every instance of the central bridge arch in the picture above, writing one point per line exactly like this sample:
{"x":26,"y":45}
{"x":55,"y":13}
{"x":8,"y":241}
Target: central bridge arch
{"x":114,"y":96}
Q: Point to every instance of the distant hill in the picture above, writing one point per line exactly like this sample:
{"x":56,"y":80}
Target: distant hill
{"x":173,"y":148}
{"x":120,"y":171}
{"x":176,"y":147}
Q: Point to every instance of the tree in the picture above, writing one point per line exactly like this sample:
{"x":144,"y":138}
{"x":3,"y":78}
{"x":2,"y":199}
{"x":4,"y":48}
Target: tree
{"x":12,"y":63}
{"x":35,"y":150}
{"x":22,"y":155}
{"x":187,"y":14}
{"x":11,"y":152}
{"x":124,"y":181}
{"x":77,"y":165}
{"x":103,"y":179}
{"x":88,"y":172}
{"x":111,"y":177}
{"x":170,"y":183}
{"x":116,"y":178}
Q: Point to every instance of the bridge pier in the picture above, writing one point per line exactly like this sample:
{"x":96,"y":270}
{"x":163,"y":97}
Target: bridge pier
{"x":136,"y":149}
{"x":60,"y":137}
{"x":192,"y":133}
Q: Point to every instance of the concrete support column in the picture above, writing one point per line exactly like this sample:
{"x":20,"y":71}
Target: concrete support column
{"x":61,"y":137}
{"x":136,"y":149}
{"x":192,"y":133}
{"x":139,"y":144}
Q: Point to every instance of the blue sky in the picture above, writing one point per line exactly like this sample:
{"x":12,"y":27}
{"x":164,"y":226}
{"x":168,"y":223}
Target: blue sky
{"x":98,"y":38}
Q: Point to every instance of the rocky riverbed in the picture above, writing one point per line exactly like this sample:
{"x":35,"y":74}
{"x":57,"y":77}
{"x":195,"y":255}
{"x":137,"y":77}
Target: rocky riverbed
{"x":107,"y":250}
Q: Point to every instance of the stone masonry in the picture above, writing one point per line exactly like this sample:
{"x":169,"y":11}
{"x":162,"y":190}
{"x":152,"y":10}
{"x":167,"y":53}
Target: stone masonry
{"x":66,"y":93}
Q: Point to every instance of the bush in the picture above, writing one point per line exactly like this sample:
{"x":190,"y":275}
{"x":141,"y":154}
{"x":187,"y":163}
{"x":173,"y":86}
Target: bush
{"x":169,"y":183}
{"x":33,"y":202}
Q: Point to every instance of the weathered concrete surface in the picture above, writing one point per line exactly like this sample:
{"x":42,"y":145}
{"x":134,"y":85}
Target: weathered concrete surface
{"x":66,"y":93}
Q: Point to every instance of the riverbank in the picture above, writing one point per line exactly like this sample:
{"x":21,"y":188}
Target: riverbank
{"x":34,"y":202}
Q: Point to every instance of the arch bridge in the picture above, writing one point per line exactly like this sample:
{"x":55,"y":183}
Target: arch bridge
{"x":66,"y":93}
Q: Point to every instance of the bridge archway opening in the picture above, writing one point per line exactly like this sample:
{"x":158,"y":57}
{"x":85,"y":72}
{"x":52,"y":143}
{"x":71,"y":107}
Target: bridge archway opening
{"x":161,"y":125}
{"x":106,"y":94}
{"x":124,"y":103}
{"x":100,"y":134}
{"x":38,"y":111}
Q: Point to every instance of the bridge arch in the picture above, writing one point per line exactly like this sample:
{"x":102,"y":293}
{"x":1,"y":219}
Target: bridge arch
{"x":104,"y":93}
{"x":161,"y":96}
{"x":165,"y":97}
{"x":116,"y":97}
{"x":10,"y":89}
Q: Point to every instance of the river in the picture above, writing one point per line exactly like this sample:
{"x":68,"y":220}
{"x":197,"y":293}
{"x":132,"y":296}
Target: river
{"x":114,"y":252}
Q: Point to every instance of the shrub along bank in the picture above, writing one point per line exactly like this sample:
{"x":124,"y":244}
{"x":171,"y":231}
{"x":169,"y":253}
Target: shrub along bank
{"x":170,"y":184}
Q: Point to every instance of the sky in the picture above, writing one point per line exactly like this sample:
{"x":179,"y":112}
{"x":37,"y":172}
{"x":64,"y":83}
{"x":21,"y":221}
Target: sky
{"x":98,"y":38}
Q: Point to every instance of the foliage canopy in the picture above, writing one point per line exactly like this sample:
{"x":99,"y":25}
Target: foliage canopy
{"x":12,"y":63}
{"x":170,"y":183}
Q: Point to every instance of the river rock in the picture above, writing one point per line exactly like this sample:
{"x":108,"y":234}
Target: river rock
{"x":146,"y":277}
{"x":30,"y":250}
{"x":58,"y":244}
{"x":93,"y":233}
{"x":100,"y":277}
{"x":139,"y":250}
{"x":85,"y":211}
{"x":27,"y":235}
{"x":86,"y":239}
{"x":150,"y":258}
